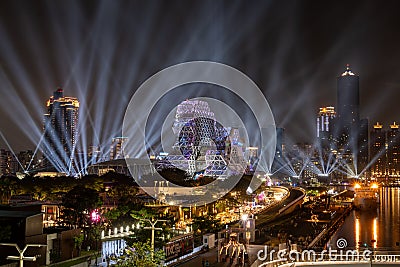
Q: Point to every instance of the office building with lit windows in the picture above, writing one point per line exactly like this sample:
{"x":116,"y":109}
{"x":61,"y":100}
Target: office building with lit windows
{"x":385,"y":151}
{"x":393,"y":150}
{"x":378,"y":150}
{"x":325,"y":120}
{"x":60,"y":131}
{"x":116,"y":151}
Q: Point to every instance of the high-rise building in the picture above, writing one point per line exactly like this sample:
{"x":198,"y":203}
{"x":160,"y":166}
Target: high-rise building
{"x":301,"y":156}
{"x":385,"y":151}
{"x":116,"y":151}
{"x":280,"y":142}
{"x":280,"y":159}
{"x":8,"y":163}
{"x":94,"y":154}
{"x":363,"y":145}
{"x":325,"y":120}
{"x":27,"y":160}
{"x":393,"y":150}
{"x":350,"y":134}
{"x":60,"y":131}
{"x":348,"y":112}
{"x":378,"y":151}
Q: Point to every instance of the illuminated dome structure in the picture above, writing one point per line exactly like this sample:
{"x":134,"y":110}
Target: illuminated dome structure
{"x":202,"y":144}
{"x":197,"y":129}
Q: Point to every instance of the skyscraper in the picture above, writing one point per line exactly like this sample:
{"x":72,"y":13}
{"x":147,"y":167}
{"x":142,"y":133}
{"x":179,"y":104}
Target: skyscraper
{"x":325,"y":119}
{"x":385,"y":152}
{"x":363,"y":145}
{"x":27,"y":160}
{"x":393,"y":150}
{"x":350,"y":132}
{"x":8,"y":163}
{"x":280,"y":142}
{"x":116,"y":151}
{"x":60,"y":131}
{"x":378,"y":151}
{"x":348,"y":112}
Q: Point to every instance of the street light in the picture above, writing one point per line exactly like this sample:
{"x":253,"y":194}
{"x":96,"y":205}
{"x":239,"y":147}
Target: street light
{"x":152,"y":228}
{"x":21,"y":258}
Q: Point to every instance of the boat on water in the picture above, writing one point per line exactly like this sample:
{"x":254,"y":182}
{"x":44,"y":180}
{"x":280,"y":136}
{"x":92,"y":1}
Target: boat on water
{"x":366,"y":197}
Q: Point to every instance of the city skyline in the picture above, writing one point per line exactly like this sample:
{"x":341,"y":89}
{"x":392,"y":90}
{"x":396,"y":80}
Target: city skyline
{"x":68,"y":45}
{"x":231,"y":133}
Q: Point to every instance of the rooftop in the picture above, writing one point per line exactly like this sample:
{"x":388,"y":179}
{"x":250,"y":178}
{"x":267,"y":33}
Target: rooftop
{"x":17,"y":214}
{"x":348,"y":71}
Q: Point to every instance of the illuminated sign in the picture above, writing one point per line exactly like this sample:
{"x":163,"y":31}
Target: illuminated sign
{"x":179,"y":247}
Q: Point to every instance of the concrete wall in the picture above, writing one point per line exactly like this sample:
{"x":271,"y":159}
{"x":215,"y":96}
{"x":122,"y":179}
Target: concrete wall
{"x":34,"y":225}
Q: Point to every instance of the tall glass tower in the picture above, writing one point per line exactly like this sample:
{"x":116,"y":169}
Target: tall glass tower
{"x":348,"y":111}
{"x":60,"y":131}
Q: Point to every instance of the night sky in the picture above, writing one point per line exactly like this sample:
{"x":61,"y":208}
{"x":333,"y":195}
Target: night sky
{"x":101,"y":51}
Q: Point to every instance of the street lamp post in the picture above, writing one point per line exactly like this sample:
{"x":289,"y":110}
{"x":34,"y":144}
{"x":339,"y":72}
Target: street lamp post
{"x":21,"y":258}
{"x":153,"y":229}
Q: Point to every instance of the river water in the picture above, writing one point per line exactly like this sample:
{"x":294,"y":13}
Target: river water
{"x":378,"y":228}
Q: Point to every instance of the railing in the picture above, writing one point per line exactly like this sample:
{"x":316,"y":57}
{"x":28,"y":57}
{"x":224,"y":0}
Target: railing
{"x":328,"y":230}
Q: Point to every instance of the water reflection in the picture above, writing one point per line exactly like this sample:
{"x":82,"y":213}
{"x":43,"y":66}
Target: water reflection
{"x":366,"y":229}
{"x":376,"y":228}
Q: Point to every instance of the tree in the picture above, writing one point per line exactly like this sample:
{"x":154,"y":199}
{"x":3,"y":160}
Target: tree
{"x":9,"y":186}
{"x":79,"y":202}
{"x":78,"y":240}
{"x":220,"y":205}
{"x":201,"y":224}
{"x":139,"y":255}
{"x":143,"y":235}
{"x":5,"y":232}
{"x":121,"y":188}
{"x":118,"y":215}
{"x":144,"y":213}
{"x":92,"y":181}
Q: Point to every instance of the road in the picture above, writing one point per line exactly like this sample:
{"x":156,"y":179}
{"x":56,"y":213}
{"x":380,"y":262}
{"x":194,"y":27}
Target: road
{"x":272,"y":212}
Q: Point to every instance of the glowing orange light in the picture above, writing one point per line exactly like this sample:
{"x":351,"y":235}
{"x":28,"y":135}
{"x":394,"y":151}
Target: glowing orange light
{"x":374,"y":186}
{"x":357,"y":186}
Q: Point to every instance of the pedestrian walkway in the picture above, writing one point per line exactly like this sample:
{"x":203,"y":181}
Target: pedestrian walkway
{"x":99,"y":263}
